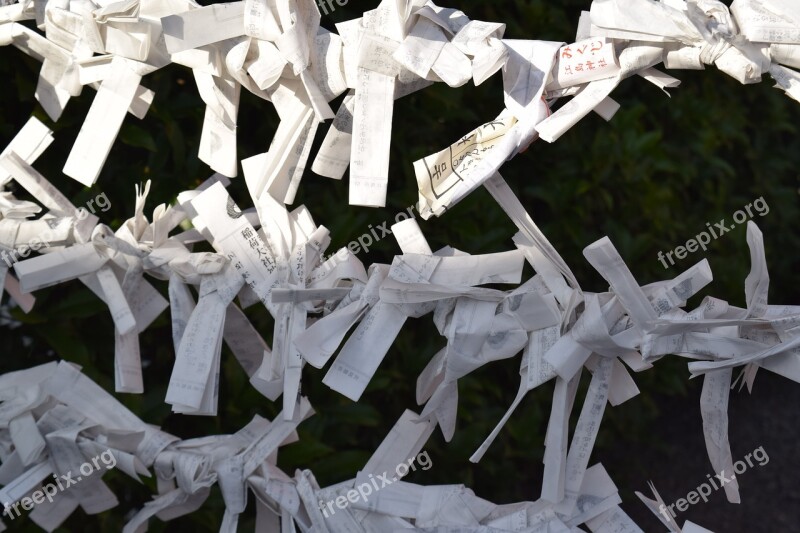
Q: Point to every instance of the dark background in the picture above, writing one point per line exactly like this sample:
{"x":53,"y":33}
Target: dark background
{"x":650,"y":180}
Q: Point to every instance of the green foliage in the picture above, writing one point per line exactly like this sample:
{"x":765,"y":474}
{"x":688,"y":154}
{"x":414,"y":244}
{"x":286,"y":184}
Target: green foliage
{"x":650,"y":180}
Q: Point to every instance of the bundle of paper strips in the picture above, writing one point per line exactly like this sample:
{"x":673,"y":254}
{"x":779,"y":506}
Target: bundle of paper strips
{"x":53,"y":416}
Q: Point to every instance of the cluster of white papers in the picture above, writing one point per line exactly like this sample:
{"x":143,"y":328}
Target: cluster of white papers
{"x":336,"y":312}
{"x":55,"y":418}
